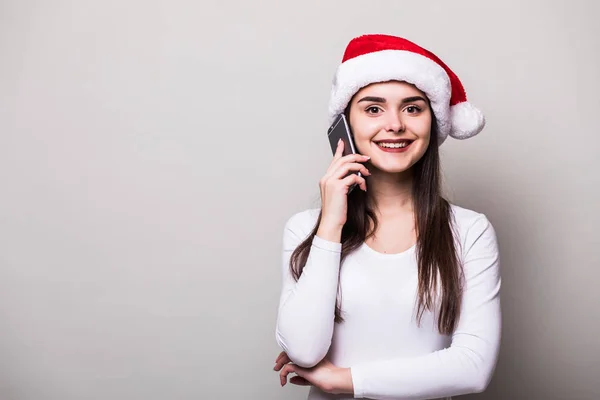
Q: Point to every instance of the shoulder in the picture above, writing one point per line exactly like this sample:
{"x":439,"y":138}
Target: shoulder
{"x":301,"y":224}
{"x":473,"y":227}
{"x":464,"y":218}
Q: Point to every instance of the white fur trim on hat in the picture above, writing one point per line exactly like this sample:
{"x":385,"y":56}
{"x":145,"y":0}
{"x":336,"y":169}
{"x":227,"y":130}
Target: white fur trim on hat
{"x":386,"y":65}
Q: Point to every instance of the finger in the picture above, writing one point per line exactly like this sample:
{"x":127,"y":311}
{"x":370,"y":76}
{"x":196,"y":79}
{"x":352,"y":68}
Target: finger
{"x":285,"y":372}
{"x":281,"y":362}
{"x":350,"y":159}
{"x":342,"y":171}
{"x":298,"y":380}
{"x":336,"y":156}
{"x":280,"y":356}
{"x":339,"y":150}
{"x":336,"y":163}
{"x":355,"y":179}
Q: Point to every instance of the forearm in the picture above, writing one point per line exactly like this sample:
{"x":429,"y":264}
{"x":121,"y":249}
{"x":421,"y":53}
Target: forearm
{"x":330,"y":232}
{"x":450,"y":372}
{"x":307,"y":307}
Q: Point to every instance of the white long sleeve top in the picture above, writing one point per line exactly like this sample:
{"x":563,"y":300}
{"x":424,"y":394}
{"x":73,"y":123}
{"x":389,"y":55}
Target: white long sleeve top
{"x":389,"y":355}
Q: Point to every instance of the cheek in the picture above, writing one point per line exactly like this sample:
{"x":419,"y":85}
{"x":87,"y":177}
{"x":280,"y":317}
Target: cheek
{"x":425,"y":139}
{"x":422,"y":127}
{"x":364,"y":131}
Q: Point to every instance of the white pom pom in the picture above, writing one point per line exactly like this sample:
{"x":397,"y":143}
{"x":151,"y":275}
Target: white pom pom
{"x":467,"y":121}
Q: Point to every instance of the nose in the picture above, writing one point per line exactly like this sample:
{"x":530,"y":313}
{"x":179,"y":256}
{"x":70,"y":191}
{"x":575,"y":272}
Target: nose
{"x":394,"y":122}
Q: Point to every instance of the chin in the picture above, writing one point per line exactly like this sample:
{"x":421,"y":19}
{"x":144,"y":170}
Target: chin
{"x":399,"y":165}
{"x":398,"y":170}
{"x":393,"y":168}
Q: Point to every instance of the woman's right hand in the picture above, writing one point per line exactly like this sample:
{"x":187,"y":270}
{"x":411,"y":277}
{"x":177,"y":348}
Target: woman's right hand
{"x":335,"y":186}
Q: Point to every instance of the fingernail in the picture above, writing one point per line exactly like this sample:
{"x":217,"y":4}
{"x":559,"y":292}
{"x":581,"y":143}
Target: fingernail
{"x":367,"y":157}
{"x":339,"y":141}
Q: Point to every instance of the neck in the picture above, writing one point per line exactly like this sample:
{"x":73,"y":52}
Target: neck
{"x":390,"y":194}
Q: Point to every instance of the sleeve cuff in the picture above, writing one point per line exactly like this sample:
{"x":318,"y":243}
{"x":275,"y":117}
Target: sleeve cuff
{"x":357,"y":383}
{"x":327,"y":245}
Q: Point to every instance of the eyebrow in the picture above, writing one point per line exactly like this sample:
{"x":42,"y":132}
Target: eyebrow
{"x":382,"y":100}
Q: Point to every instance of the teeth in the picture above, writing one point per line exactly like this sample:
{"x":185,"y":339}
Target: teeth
{"x":394,"y":145}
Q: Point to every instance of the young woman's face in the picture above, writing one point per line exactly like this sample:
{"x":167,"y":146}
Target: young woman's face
{"x":391,"y":123}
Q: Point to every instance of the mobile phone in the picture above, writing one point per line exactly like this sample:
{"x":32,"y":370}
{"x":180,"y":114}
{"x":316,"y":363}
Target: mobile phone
{"x":340,"y":129}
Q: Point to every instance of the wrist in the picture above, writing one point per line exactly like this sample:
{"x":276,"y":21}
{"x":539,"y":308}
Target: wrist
{"x":344,"y":383}
{"x":330,"y":232}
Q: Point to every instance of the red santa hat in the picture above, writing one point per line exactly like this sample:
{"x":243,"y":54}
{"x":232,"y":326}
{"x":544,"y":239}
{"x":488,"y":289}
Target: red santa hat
{"x":380,"y":58}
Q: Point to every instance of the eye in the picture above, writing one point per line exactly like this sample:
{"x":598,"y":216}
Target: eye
{"x":372,"y":110}
{"x":413,"y":109}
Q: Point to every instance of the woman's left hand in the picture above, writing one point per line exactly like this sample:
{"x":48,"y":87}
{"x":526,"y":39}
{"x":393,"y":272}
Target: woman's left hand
{"x":324,"y":375}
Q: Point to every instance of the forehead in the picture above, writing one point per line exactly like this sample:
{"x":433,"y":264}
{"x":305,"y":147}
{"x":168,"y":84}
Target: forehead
{"x":389,"y":90}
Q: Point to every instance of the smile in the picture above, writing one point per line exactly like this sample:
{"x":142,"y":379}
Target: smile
{"x":394,"y":146}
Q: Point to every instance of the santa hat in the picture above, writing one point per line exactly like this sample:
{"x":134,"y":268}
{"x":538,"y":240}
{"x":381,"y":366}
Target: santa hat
{"x":380,"y":58}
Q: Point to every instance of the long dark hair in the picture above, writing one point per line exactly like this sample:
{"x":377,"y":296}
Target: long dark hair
{"x":435,"y":249}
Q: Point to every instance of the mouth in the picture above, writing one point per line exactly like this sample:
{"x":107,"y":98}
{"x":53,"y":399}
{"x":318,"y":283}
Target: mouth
{"x":395,"y":145}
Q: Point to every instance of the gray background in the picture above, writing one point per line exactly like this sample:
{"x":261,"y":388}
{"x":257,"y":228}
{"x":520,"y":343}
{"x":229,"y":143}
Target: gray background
{"x":151,"y":151}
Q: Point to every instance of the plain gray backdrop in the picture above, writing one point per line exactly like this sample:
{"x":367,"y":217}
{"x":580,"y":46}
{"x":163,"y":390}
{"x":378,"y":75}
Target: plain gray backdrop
{"x":151,"y":152}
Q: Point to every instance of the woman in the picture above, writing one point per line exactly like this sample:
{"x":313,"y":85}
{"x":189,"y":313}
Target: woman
{"x":391,"y":292}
